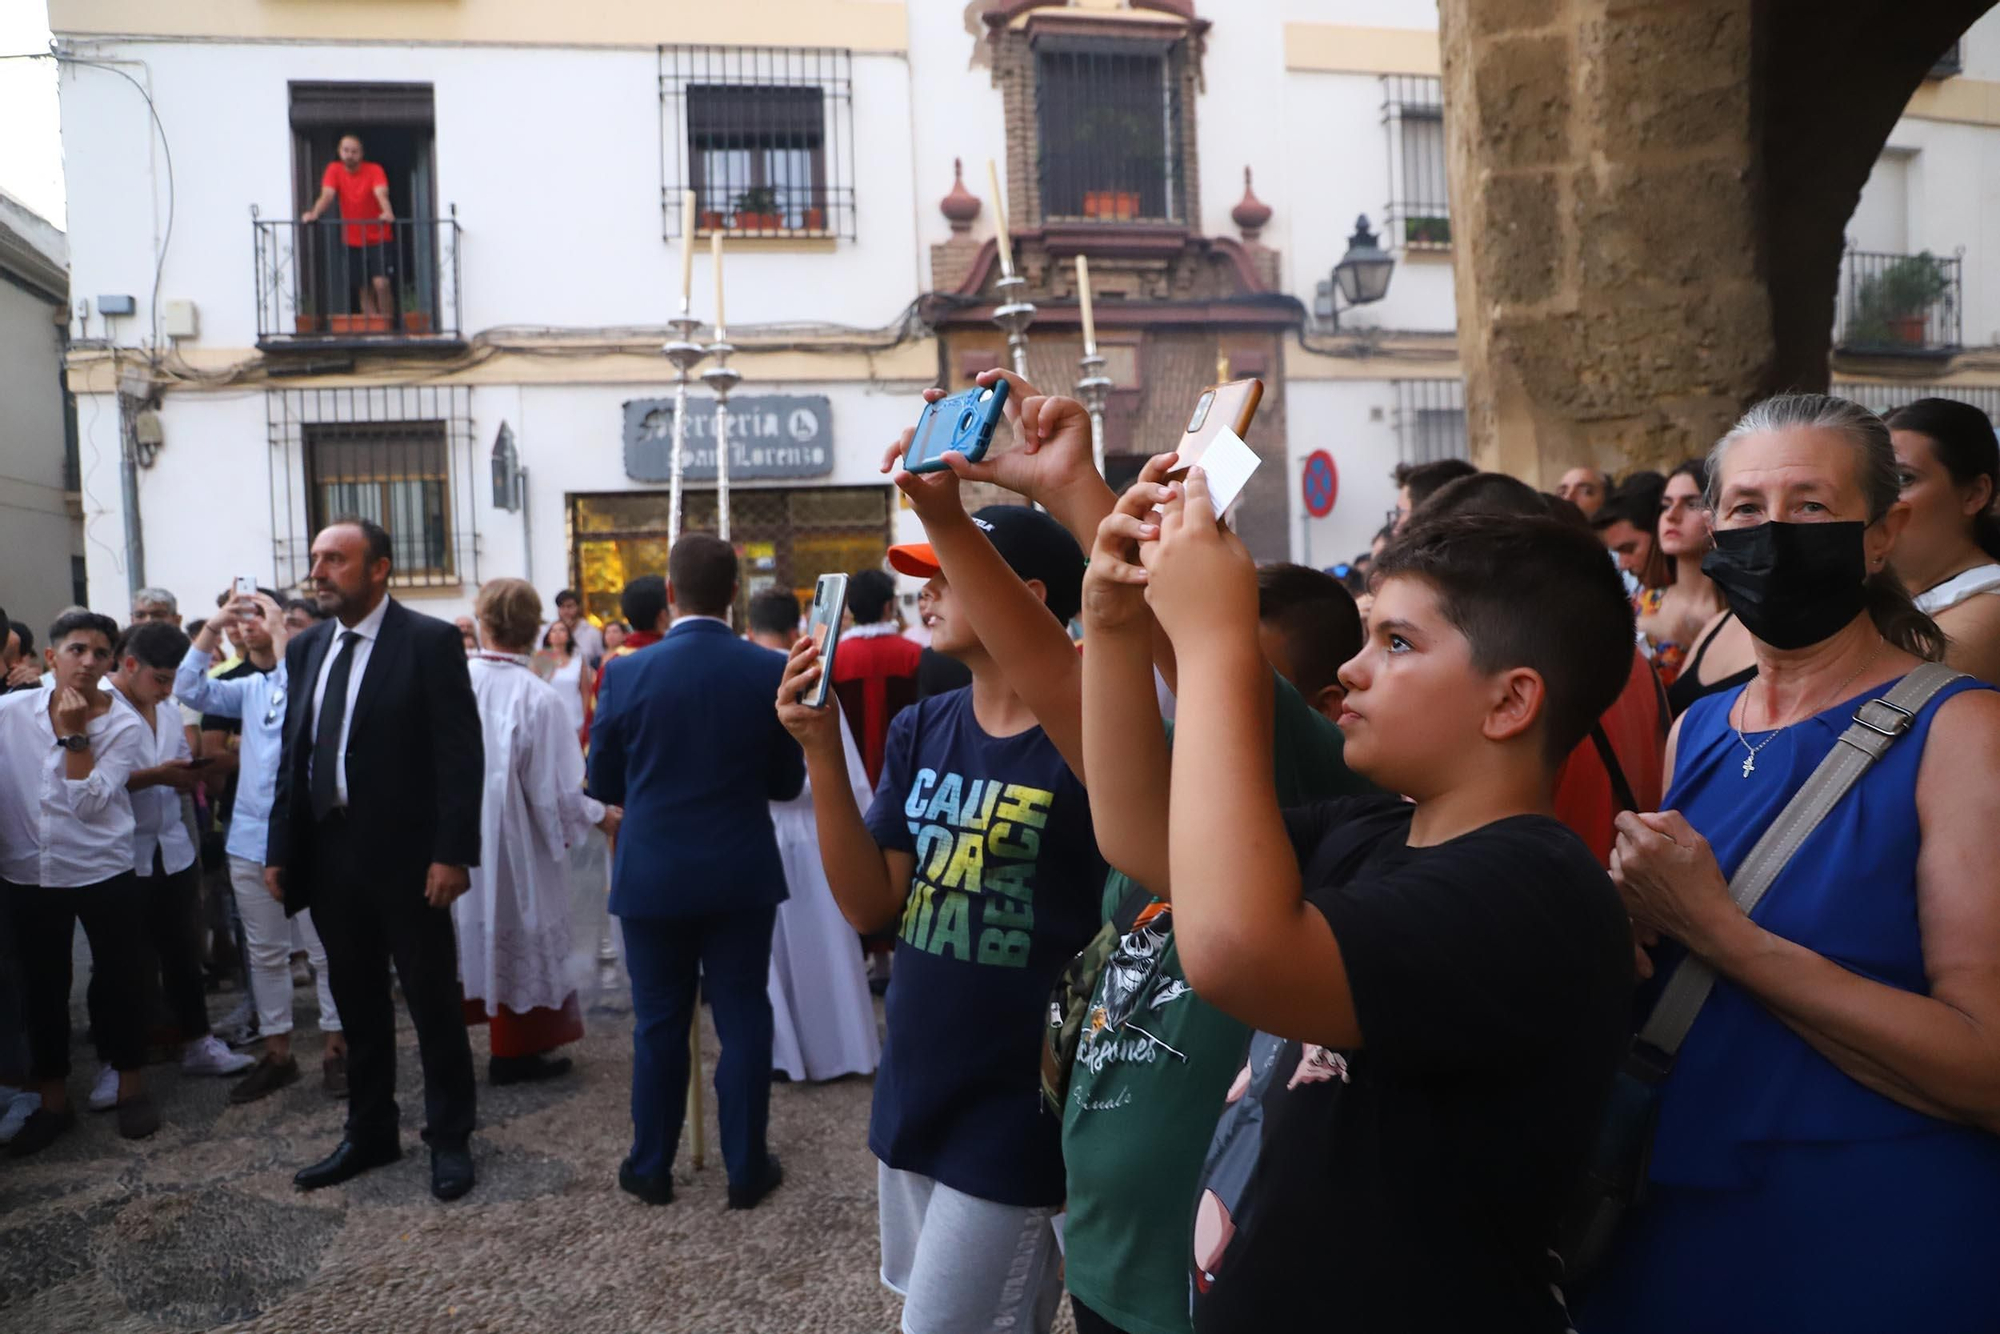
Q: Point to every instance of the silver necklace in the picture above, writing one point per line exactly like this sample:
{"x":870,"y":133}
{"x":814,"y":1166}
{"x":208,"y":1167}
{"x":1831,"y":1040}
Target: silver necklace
{"x":1750,"y":759}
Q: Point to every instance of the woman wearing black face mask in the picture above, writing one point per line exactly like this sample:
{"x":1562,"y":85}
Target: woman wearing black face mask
{"x":1826,"y":1155}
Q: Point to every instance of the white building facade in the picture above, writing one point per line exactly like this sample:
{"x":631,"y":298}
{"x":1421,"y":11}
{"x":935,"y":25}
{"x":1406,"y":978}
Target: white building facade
{"x":501,"y":409}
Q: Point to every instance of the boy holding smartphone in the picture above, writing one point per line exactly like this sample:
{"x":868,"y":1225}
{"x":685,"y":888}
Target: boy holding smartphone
{"x":1439,"y":986}
{"x":979,"y":844}
{"x":1153,"y":1064}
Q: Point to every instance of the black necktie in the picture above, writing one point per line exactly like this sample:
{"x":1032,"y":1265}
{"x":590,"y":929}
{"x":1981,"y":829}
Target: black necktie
{"x":326,"y":733}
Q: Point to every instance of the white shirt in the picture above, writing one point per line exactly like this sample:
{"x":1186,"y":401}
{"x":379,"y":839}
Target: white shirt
{"x":369,"y":629}
{"x":156,"y":810}
{"x":61,"y":832}
{"x":696,"y":616}
{"x":1966,"y":584}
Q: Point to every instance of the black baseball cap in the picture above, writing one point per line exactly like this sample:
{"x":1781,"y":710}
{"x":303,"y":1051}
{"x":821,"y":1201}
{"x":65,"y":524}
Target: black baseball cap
{"x":1033,"y":545}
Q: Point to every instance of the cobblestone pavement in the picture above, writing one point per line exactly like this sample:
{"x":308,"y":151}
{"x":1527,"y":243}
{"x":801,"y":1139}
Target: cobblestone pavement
{"x":199,"y":1227}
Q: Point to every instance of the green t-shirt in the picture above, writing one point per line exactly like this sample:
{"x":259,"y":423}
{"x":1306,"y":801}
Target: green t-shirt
{"x":1151,"y":1070}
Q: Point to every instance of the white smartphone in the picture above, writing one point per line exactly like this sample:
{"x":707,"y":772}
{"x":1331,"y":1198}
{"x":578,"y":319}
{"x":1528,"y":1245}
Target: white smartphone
{"x":246,"y":585}
{"x":823,"y":626}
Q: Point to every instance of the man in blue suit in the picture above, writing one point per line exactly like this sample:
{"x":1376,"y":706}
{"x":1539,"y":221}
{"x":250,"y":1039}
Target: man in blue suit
{"x":690,"y":747}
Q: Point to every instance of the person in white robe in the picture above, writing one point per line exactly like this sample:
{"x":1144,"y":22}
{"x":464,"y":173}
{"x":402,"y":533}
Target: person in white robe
{"x":823,"y":1016}
{"x":513,"y":923}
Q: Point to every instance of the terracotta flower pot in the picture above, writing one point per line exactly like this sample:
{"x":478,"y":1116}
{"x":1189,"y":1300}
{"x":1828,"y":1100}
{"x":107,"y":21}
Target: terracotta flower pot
{"x":1111,"y":205}
{"x":305,"y":324}
{"x":416,"y":321}
{"x":759,"y":222}
{"x":712,"y":221}
{"x":1908,"y":329}
{"x":343,"y":323}
{"x":815,"y":219}
{"x":374,"y":324}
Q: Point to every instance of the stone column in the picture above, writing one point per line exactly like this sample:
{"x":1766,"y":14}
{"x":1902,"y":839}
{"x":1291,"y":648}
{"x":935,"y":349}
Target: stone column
{"x":1602,"y":156}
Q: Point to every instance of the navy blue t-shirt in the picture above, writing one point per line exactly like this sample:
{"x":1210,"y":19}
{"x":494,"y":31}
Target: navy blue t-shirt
{"x":1004,"y":894}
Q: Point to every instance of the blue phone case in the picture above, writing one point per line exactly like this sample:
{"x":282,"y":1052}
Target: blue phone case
{"x":964,"y":421}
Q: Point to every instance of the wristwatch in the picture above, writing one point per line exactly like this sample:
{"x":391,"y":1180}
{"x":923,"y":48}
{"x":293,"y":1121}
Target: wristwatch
{"x":75,"y":741}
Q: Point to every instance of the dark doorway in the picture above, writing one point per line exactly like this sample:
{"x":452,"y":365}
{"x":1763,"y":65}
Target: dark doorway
{"x":395,"y":123}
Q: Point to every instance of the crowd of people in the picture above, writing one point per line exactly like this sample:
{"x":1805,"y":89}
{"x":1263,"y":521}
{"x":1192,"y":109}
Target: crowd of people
{"x":1566,"y":915}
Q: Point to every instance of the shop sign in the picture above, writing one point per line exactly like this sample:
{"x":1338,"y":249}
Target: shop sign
{"x":770,"y":436}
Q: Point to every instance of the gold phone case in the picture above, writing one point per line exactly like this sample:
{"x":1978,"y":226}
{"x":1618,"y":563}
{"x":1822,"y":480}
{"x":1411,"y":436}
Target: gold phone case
{"x":1233,"y":404}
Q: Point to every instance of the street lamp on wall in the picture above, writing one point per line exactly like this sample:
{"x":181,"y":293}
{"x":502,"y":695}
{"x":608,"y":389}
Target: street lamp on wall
{"x":1362,"y":276}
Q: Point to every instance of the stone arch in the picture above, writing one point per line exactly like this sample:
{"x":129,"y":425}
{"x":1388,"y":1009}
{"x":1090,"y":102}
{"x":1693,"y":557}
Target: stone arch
{"x":1656,"y":196}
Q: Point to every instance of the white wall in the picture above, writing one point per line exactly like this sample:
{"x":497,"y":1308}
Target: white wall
{"x":1353,"y":420}
{"x":35,"y":533}
{"x":1334,"y":166}
{"x":957,"y":113}
{"x":552,"y":157}
{"x":207,"y":501}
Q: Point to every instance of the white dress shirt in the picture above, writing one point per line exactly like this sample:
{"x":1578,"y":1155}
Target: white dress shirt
{"x":56,"y":831}
{"x":369,"y":629}
{"x":156,"y":810}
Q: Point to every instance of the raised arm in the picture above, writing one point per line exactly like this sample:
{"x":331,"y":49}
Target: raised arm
{"x":1124,"y":740}
{"x":1029,"y":645}
{"x":1250,"y":943}
{"x":869,"y":882}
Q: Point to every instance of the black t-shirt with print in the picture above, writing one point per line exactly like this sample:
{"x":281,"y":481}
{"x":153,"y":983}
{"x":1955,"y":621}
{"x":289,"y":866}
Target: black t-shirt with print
{"x":1415,"y":1183}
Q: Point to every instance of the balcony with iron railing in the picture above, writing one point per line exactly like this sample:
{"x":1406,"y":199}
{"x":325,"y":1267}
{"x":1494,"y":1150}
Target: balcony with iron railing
{"x":378,"y":286}
{"x":1899,"y":305}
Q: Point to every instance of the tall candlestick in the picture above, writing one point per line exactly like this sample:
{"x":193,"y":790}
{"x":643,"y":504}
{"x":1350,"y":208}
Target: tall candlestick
{"x":715,"y":253}
{"x":1083,"y":295}
{"x":1000,"y":221}
{"x":687,"y":249}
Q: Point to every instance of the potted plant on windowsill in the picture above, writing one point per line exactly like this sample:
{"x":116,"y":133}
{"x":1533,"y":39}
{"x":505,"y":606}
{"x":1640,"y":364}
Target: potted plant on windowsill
{"x":305,"y":319}
{"x":341,"y":324}
{"x":757,"y":210}
{"x":1893,"y":307}
{"x":416,"y":320}
{"x":1430,"y":232}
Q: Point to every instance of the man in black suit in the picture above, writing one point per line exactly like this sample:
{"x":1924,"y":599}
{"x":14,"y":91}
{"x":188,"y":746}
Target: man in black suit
{"x":373,"y":826}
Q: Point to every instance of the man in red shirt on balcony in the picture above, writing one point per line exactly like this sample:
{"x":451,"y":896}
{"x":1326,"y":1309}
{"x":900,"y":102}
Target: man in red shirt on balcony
{"x":367,"y":255}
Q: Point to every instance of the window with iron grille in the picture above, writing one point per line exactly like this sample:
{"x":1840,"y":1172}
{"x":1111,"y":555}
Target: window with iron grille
{"x":762,"y":135}
{"x":1108,"y":119}
{"x":1430,"y":420}
{"x":399,"y":455}
{"x":1419,"y":208}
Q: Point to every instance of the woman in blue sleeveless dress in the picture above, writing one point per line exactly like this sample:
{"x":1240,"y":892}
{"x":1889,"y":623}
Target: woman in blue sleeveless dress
{"x":1825,"y":1158}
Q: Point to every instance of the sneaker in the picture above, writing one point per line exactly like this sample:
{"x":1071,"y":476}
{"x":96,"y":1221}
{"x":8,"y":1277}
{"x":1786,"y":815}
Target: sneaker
{"x":302,"y":973}
{"x":333,"y":1075}
{"x":138,"y":1117}
{"x":270,"y":1075}
{"x":19,"y":1107}
{"x":42,"y":1128}
{"x":104,"y":1093}
{"x":240,"y":1028}
{"x":207,"y":1055}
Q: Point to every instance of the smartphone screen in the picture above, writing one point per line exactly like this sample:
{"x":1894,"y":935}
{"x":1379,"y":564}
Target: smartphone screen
{"x":828,"y":609}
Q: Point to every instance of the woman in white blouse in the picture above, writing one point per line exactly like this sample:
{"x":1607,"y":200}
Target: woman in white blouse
{"x":514,"y":923}
{"x":66,"y":831}
{"x":1949,"y":552}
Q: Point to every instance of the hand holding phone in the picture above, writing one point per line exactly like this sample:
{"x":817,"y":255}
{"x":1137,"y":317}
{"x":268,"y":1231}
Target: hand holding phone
{"x":829,"y":609}
{"x":964,"y":422}
{"x":1214,"y":440}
